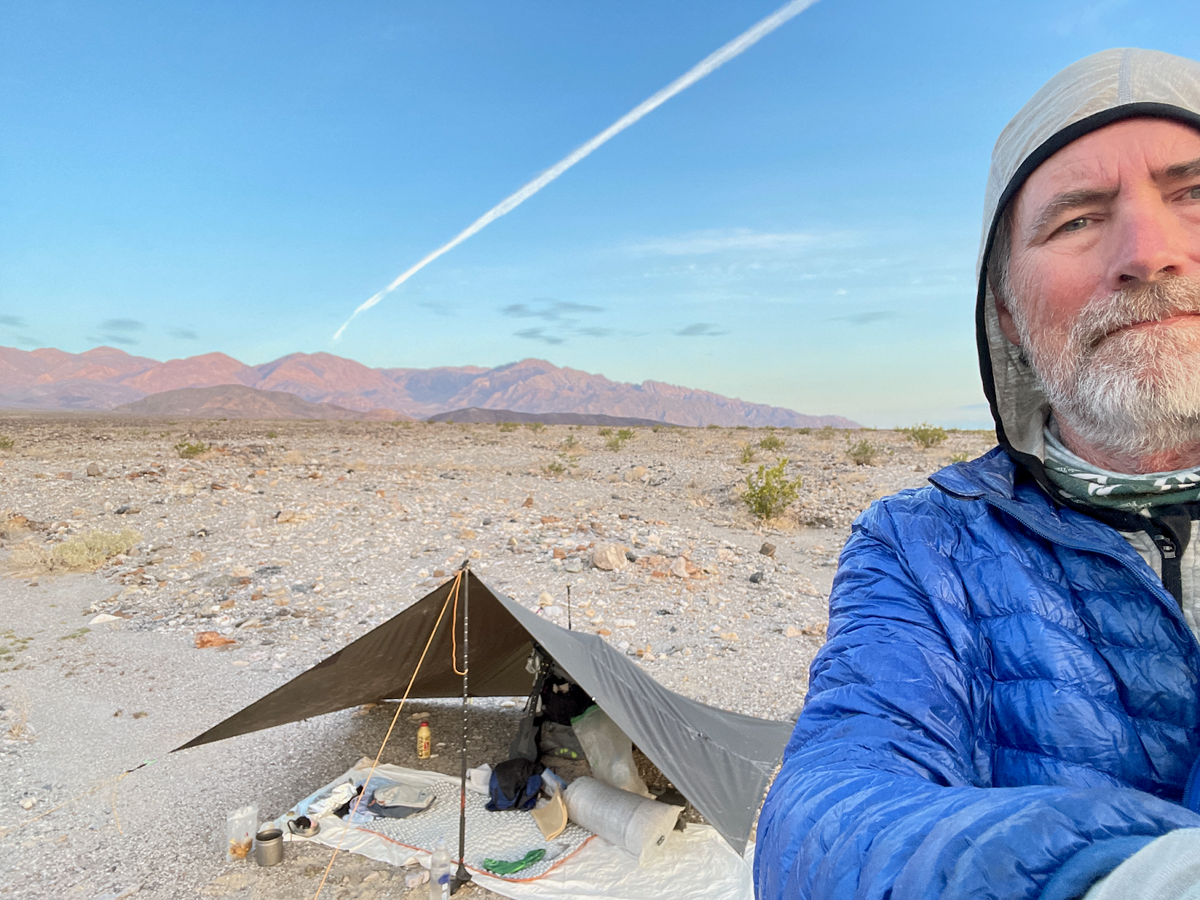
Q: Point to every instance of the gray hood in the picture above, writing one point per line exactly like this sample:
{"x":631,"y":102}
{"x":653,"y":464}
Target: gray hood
{"x":1096,"y":91}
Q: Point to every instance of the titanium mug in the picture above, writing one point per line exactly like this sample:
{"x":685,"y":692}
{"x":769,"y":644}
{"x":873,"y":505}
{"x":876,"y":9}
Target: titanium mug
{"x":268,"y":850}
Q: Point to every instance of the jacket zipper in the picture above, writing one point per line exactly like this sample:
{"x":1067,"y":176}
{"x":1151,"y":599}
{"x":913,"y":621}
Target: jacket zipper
{"x":1191,"y":790}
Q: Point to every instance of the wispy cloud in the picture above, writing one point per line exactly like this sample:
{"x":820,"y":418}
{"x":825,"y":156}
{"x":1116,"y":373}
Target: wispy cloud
{"x":701,"y":329}
{"x":122,"y":325}
{"x":740,"y":240}
{"x":184,"y":334}
{"x":564,"y":316}
{"x":550,"y":310}
{"x":1089,"y":18}
{"x":539,"y":334}
{"x":866,"y":318}
{"x":12,"y":321}
{"x":109,"y":339}
{"x":439,"y":307}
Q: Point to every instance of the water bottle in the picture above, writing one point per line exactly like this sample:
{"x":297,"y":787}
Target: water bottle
{"x":439,"y":873}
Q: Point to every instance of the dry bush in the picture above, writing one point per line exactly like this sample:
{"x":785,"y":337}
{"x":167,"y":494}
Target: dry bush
{"x":769,"y":492}
{"x":82,"y":553}
{"x":862,"y":452}
{"x":771,"y":443}
{"x":924,"y":435}
{"x":17,"y":720}
{"x":191,"y":449}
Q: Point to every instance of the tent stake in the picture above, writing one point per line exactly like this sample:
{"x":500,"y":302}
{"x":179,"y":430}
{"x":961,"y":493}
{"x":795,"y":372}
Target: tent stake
{"x":462,"y":876}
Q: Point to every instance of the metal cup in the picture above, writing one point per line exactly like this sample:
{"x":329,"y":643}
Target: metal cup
{"x":268,"y":849}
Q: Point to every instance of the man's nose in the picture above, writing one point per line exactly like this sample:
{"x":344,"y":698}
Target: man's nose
{"x":1154,"y":243}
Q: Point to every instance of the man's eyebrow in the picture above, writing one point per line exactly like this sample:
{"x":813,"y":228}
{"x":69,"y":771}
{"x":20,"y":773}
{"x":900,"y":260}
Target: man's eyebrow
{"x":1180,"y":171}
{"x":1068,"y":200}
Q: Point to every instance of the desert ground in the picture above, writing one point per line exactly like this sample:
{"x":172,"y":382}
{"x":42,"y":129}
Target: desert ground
{"x":122,"y":539}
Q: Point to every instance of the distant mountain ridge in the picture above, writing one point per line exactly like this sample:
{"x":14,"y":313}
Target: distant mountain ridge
{"x":475,"y":416}
{"x":234,"y":401}
{"x":105,"y":378}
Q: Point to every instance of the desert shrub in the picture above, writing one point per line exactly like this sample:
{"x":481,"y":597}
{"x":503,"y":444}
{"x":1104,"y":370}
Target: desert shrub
{"x":190,"y":449}
{"x":802,"y":430}
{"x":6,"y":443}
{"x":769,"y":492}
{"x":272,"y":434}
{"x":570,"y":442}
{"x":861,"y":452}
{"x":535,"y":427}
{"x":712,"y":425}
{"x":826,"y":432}
{"x":747,"y":455}
{"x":617,"y":441}
{"x":83,"y":553}
{"x":560,"y":466}
{"x":959,"y":457}
{"x":508,"y":426}
{"x":771,"y":443}
{"x":924,"y":435}
{"x":604,"y":432}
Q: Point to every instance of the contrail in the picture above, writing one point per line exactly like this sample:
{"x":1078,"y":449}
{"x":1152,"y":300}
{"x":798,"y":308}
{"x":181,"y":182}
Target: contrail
{"x":709,"y":64}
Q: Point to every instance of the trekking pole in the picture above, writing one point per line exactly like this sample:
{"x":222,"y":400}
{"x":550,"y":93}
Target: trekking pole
{"x":462,"y":876}
{"x":568,"y":607}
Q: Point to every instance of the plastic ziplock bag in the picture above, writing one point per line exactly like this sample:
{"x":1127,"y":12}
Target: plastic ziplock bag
{"x":609,"y":752}
{"x":240,"y":826}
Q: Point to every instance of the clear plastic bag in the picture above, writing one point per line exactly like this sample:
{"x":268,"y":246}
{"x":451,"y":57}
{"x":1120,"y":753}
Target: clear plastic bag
{"x":609,"y":752}
{"x":240,"y":826}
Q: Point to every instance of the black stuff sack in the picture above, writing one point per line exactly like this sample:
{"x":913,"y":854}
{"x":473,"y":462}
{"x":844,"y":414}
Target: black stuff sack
{"x":563,"y":700}
{"x":515,"y":784}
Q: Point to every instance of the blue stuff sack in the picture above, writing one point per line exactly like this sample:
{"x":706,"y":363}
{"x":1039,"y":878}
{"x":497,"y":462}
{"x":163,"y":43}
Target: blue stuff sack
{"x":515,"y":784}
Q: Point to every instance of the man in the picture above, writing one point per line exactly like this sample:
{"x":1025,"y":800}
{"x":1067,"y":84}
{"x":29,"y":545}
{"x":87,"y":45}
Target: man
{"x":1007,"y":703}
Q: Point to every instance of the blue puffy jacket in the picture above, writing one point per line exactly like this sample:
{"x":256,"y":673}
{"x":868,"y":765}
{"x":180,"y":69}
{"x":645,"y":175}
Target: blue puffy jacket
{"x":1006,"y":705}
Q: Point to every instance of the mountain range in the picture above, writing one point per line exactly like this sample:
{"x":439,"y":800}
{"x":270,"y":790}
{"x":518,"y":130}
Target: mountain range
{"x":105,"y":378}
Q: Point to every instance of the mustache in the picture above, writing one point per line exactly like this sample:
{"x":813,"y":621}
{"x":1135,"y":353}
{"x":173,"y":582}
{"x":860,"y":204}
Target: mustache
{"x":1135,"y":305}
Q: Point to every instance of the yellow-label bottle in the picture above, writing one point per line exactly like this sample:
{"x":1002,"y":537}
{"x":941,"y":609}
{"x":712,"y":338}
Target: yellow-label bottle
{"x":424,"y":738}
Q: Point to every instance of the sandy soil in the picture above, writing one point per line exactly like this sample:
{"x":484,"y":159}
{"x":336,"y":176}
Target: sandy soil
{"x":291,"y":539}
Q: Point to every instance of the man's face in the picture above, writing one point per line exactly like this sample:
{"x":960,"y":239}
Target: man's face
{"x":1105,"y":283}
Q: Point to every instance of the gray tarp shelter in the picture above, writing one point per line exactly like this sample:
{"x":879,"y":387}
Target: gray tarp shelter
{"x":720,"y":761}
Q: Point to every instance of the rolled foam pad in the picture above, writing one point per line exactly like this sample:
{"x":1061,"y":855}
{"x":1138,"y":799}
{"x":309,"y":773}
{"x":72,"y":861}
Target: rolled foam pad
{"x":633,"y":823}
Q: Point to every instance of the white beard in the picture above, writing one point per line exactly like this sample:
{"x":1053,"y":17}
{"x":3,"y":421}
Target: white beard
{"x":1132,"y":393}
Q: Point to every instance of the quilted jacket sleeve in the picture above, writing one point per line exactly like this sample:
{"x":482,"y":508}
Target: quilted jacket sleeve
{"x":881,"y":794}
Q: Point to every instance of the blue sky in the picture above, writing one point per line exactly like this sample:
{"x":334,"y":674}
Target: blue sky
{"x":799,"y":228}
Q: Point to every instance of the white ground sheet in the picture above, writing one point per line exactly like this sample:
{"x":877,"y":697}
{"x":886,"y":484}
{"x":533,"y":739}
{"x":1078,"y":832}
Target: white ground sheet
{"x":694,"y":863}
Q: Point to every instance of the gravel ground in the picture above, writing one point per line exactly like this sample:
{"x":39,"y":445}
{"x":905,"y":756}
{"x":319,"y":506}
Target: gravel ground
{"x":291,"y":539}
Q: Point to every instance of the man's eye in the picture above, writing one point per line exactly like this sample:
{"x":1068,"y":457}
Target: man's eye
{"x":1076,"y":224}
{"x":1194,"y":193}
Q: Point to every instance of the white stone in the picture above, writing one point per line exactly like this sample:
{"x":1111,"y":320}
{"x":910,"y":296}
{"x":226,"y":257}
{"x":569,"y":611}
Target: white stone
{"x":609,"y":557}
